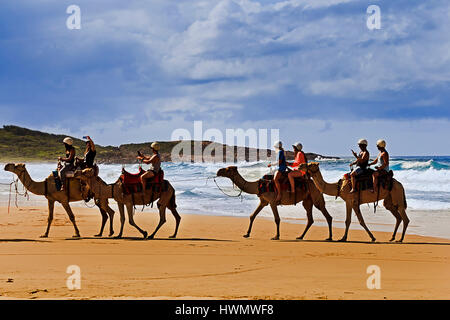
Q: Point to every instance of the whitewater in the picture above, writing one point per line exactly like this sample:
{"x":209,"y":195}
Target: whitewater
{"x":426,"y":181}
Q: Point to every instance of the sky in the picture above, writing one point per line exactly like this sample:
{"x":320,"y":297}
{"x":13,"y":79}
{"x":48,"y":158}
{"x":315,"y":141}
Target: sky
{"x":138,"y":70}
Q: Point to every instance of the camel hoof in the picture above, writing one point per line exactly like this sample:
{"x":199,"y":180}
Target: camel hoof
{"x":343,"y":240}
{"x":299,"y":238}
{"x":373,"y":239}
{"x":76,"y":236}
{"x":111,"y":234}
{"x":172,"y":236}
{"x":98,"y":235}
{"x":392,"y":239}
{"x":152,"y":236}
{"x":399,"y":241}
{"x":144,"y":234}
{"x":246,"y":235}
{"x":275,"y":238}
{"x":329,"y":239}
{"x":43,"y":236}
{"x":118,"y":236}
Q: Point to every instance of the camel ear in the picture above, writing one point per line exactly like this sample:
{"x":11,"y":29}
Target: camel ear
{"x":314,"y":163}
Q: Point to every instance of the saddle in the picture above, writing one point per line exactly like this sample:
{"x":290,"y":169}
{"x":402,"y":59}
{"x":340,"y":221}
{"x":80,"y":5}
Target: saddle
{"x":86,"y":193}
{"x":131,"y":182}
{"x":364,"y":181}
{"x":266,"y":184}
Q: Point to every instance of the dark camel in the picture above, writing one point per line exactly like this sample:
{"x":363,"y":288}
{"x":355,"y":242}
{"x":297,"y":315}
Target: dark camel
{"x":311,"y":198}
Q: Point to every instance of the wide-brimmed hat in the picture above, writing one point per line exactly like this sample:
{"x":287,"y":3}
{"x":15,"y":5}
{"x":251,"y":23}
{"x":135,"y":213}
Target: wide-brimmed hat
{"x":68,"y":141}
{"x":298,"y":146}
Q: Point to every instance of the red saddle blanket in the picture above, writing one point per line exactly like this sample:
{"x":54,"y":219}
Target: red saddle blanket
{"x":132,"y":181}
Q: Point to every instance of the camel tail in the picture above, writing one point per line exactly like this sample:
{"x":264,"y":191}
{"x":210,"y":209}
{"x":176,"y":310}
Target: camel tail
{"x":172,"y":202}
{"x":404,"y":199}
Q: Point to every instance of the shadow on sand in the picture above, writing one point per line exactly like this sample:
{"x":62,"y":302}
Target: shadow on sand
{"x":155,"y":239}
{"x":22,"y":240}
{"x":370,"y":242}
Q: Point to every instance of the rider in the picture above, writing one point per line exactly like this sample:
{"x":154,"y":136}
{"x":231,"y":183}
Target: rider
{"x":383,"y":168}
{"x":154,"y":161}
{"x":68,"y":161}
{"x":89,"y":154}
{"x":281,"y":168}
{"x":299,"y":159}
{"x":362,"y":162}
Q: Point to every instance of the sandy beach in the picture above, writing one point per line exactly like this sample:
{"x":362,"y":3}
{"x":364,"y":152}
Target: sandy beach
{"x":211,"y":260}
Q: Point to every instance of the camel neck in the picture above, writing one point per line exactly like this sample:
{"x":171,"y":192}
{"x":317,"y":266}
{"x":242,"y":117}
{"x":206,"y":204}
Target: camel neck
{"x":34,"y":187}
{"x":100,"y":187}
{"x":244,"y":185}
{"x":330,"y":189}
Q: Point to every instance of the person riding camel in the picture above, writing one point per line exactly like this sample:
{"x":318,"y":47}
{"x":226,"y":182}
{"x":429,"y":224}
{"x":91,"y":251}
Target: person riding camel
{"x":298,"y":160}
{"x":89,"y":154}
{"x":383,"y":168}
{"x":280,"y":168}
{"x":362,"y":162}
{"x":68,"y":161}
{"x":154,"y":161}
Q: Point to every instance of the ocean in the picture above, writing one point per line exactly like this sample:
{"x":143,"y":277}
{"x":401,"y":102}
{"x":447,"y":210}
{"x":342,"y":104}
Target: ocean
{"x":426,"y":181}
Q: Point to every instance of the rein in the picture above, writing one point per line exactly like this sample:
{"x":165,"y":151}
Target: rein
{"x":229,"y":195}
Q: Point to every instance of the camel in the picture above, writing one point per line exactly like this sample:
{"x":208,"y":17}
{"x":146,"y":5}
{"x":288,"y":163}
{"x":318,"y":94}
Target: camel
{"x":394,"y":200}
{"x":310,"y":198}
{"x":104,"y":191}
{"x":48,"y":189}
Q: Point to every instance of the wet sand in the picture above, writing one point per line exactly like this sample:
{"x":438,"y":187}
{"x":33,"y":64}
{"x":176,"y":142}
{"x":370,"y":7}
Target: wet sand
{"x":211,"y":260}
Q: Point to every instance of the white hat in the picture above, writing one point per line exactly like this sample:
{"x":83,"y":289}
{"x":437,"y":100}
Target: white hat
{"x":155,"y":146}
{"x":363,"y":141}
{"x":381,"y":143}
{"x":68,"y":141}
{"x":278,"y":144}
{"x":298,"y":146}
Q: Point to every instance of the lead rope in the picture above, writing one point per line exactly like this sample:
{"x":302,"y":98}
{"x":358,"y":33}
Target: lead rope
{"x":229,"y":195}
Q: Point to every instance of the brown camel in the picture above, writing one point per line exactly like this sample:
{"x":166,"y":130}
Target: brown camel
{"x":48,"y":189}
{"x":309,"y":198}
{"x":394,"y":200}
{"x":104,"y":191}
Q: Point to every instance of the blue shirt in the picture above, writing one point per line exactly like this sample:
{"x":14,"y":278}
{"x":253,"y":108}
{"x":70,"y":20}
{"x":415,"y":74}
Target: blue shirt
{"x":280,"y":156}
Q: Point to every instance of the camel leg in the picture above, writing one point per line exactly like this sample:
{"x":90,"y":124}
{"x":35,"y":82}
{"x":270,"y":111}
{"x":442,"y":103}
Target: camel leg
{"x":122,"y":218}
{"x":66,"y":206}
{"x":51,"y":207}
{"x":111,"y":220}
{"x":308,"y":205}
{"x":405,"y":219}
{"x":389,"y":206}
{"x":362,"y":223}
{"x":261,"y":205}
{"x":277,"y":220}
{"x":130,"y":211}
{"x":348,"y":220}
{"x":320,"y":204}
{"x":177,"y":217}
{"x":162,"y":220}
{"x":104,"y":219}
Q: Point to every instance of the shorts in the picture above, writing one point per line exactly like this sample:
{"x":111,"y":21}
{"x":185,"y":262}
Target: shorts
{"x":358,"y":171}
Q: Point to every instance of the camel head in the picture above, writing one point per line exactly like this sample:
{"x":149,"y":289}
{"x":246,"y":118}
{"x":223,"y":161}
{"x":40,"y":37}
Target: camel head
{"x":15,"y":168}
{"x":84,"y":174}
{"x":227,"y":172}
{"x":311,"y":168}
